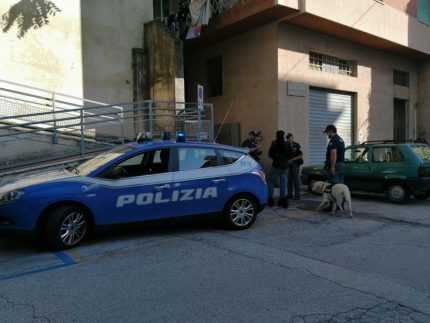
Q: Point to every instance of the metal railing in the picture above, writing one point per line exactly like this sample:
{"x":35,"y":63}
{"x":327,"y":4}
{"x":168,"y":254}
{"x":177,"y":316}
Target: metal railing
{"x":35,"y":128}
{"x":219,"y":6}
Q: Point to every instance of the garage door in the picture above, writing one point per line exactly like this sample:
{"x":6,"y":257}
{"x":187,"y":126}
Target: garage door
{"x":328,"y":107}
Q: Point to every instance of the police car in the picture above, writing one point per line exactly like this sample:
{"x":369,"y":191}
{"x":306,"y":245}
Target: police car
{"x":136,"y":182}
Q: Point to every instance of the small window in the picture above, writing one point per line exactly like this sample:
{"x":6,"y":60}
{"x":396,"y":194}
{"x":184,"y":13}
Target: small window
{"x":214,"y":76}
{"x":387,"y":155}
{"x":400,"y":78}
{"x":230,"y":157}
{"x":357,"y":155}
{"x":331,"y":64}
{"x":195,"y":158}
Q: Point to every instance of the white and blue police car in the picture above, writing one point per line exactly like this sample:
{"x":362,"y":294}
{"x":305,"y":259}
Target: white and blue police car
{"x":132,"y":183}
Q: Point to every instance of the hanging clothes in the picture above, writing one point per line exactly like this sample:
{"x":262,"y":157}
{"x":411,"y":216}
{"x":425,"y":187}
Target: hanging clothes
{"x":200,"y":12}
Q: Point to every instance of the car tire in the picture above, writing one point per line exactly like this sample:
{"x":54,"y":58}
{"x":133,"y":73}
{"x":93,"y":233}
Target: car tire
{"x":397,"y":192}
{"x":66,"y":227}
{"x":240,"y":212}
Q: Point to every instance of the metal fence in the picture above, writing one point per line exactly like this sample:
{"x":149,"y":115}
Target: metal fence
{"x":219,"y":6}
{"x":37,"y":126}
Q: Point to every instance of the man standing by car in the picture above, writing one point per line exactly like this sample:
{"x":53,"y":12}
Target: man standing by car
{"x":278,"y":153}
{"x":295,"y":159}
{"x":253,"y":147}
{"x":335,"y":156}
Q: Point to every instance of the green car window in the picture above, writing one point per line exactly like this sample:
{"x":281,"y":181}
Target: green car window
{"x":423,"y":152}
{"x":387,"y":155}
{"x":357,"y":155}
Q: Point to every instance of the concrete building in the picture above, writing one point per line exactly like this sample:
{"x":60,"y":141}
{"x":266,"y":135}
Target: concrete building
{"x":80,"y":48}
{"x":299,"y":65}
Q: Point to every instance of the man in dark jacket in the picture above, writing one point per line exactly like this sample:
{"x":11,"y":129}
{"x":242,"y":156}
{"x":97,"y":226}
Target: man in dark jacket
{"x":278,"y":153}
{"x":253,"y":147}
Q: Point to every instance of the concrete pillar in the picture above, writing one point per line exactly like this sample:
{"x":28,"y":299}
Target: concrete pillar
{"x":423,"y":106}
{"x":165,"y":70}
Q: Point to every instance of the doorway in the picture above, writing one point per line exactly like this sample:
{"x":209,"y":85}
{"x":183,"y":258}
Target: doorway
{"x":400,"y":119}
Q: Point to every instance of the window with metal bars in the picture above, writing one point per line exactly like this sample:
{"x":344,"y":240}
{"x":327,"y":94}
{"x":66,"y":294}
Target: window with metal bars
{"x":400,"y":78}
{"x":331,"y":64}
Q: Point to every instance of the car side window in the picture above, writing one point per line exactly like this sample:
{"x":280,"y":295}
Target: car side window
{"x":196,"y":158}
{"x":229,"y":157}
{"x":149,"y":162}
{"x":357,"y":155}
{"x":387,"y":155}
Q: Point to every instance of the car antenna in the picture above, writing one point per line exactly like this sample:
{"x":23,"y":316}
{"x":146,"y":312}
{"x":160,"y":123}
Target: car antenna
{"x":223,"y":120}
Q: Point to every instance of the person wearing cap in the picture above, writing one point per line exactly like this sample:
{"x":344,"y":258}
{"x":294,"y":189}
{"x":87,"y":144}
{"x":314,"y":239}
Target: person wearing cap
{"x":253,"y":147}
{"x":278,"y":153}
{"x":335,"y":156}
{"x":295,"y":159}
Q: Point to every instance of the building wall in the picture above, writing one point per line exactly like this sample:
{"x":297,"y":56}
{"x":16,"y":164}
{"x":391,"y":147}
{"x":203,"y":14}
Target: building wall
{"x":373,"y":86}
{"x":249,"y":81}
{"x":85,"y":50}
{"x":423,"y":107}
{"x":110,"y":29}
{"x":49,"y":57}
{"x":376,"y":18}
{"x":407,"y":6}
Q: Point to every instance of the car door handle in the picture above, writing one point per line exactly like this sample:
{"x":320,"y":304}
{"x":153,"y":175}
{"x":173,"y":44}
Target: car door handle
{"x":217,"y":181}
{"x":162,"y":187}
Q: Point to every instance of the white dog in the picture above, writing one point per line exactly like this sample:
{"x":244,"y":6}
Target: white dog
{"x":338,"y":193}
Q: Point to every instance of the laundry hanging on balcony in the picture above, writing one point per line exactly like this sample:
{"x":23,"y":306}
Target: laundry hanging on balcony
{"x":200,"y":12}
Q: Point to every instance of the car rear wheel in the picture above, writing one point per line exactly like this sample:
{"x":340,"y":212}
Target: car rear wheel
{"x":66,"y":227}
{"x":397,"y":193}
{"x":240,"y":212}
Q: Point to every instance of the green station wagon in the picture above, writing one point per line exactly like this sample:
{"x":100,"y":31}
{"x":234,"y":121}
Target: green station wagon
{"x":397,"y":169}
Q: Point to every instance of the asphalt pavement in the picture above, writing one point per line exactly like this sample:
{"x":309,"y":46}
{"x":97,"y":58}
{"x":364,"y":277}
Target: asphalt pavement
{"x":293,"y":265}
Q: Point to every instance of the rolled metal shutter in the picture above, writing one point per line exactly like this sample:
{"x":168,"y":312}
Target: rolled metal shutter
{"x":328,"y":107}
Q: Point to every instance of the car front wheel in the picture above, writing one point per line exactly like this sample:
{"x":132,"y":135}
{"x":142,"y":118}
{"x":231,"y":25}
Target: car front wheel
{"x":240,"y":212}
{"x":397,"y":193}
{"x":66,"y":227}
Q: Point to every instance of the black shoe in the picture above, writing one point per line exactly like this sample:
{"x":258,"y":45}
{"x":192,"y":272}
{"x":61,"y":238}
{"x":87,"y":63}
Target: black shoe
{"x":283,"y":202}
{"x":270,"y":202}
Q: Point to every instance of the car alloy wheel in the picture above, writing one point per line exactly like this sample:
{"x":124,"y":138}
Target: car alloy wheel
{"x":73,"y":228}
{"x":240,"y":212}
{"x":66,"y":227}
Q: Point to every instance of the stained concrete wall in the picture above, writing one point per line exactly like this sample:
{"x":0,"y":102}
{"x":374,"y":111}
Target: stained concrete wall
{"x":110,"y":29}
{"x":85,"y":50}
{"x":49,"y":57}
{"x":373,"y":85}
{"x":423,"y":107}
{"x":250,"y":76}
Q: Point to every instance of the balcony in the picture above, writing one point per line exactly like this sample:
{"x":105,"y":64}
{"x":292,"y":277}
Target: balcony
{"x":232,"y":17}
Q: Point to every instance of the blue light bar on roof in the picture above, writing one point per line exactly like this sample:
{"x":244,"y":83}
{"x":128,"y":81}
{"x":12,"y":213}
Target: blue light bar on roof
{"x":181,"y":137}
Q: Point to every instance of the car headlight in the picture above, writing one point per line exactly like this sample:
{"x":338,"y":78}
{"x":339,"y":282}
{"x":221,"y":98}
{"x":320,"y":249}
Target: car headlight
{"x":11,"y":197}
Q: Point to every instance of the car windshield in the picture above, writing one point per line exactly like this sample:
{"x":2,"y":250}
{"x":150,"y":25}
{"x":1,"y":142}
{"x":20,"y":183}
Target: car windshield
{"x":105,"y":157}
{"x":423,"y":152}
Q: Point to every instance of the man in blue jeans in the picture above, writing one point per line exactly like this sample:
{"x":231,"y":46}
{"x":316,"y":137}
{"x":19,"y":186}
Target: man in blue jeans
{"x":278,"y":153}
{"x":335,"y":156}
{"x":295,"y":159}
